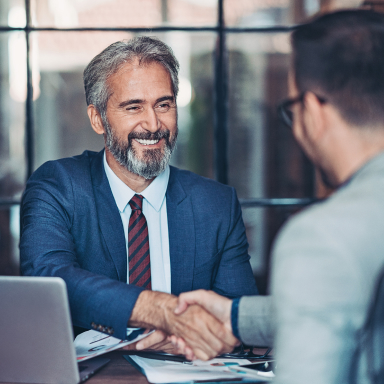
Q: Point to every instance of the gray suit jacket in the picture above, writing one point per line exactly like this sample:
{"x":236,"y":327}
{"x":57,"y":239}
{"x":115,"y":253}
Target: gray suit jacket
{"x":326,"y":263}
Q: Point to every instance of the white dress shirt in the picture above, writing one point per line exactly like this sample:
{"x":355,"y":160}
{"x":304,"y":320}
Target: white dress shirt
{"x":155,"y":212}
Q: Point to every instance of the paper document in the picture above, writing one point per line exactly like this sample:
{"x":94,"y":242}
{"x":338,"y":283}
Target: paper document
{"x":92,"y":343}
{"x":158,"y":371}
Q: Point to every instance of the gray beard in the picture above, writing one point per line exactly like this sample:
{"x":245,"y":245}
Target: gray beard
{"x":153,"y":162}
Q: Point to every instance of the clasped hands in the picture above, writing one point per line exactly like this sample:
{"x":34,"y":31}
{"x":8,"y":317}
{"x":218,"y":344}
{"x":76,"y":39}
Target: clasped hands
{"x":196,"y":324}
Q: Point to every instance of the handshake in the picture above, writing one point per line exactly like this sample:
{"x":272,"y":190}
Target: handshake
{"x":196,"y":324}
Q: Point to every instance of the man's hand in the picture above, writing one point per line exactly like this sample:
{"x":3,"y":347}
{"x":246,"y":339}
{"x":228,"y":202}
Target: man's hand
{"x":217,"y":305}
{"x":204,"y":334}
{"x":157,"y":341}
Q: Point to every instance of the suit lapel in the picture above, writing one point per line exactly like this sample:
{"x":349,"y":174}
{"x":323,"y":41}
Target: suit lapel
{"x":109,"y":217}
{"x":181,"y":232}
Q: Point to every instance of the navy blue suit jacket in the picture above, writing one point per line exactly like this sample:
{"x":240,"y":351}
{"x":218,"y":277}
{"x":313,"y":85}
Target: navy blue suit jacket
{"x":71,"y":228}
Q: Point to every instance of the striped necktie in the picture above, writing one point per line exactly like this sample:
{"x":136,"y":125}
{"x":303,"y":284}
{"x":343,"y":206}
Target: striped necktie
{"x":138,"y":246}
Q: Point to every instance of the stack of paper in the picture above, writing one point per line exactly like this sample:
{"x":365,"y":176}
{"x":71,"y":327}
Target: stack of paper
{"x":92,"y":343}
{"x":158,"y":371}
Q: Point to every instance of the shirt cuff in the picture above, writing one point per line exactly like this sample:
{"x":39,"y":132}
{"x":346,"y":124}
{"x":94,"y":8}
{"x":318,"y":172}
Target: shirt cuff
{"x":235,"y":317}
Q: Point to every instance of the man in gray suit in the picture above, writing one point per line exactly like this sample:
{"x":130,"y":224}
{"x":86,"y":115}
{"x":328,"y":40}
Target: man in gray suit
{"x":327,"y":259}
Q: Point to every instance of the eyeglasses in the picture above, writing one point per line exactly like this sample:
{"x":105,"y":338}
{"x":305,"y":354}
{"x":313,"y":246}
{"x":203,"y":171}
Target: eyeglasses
{"x":285,"y":112}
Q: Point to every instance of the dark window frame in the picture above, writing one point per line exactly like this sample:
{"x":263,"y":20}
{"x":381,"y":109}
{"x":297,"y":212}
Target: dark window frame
{"x":220,"y":96}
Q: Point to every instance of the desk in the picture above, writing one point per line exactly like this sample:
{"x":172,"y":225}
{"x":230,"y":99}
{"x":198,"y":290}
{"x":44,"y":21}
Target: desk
{"x":118,"y":371}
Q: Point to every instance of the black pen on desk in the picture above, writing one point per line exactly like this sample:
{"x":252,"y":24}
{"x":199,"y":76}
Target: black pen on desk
{"x":164,"y":357}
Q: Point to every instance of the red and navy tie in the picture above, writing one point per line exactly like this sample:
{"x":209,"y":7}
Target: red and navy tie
{"x":138,"y":246}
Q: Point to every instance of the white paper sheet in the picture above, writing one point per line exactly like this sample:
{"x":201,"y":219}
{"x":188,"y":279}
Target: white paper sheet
{"x":92,"y":343}
{"x":158,"y":371}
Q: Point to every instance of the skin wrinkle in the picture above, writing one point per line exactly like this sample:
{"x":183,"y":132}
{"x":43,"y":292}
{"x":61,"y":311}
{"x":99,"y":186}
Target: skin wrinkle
{"x":134,"y":163}
{"x":152,"y":162}
{"x":144,"y":50}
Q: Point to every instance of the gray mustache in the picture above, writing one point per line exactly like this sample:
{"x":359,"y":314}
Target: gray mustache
{"x":149,"y":135}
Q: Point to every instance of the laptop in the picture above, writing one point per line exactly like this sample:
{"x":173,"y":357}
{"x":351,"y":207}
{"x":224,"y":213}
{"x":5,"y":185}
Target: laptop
{"x":36,"y":336}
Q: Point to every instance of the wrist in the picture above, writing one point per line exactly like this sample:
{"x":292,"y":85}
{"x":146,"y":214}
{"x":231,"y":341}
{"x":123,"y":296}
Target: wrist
{"x":152,"y":310}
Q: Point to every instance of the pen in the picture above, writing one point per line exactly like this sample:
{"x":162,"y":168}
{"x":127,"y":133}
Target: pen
{"x":164,"y":357}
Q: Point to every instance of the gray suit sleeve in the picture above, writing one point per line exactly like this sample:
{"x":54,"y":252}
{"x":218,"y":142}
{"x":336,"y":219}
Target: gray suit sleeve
{"x":256,"y":320}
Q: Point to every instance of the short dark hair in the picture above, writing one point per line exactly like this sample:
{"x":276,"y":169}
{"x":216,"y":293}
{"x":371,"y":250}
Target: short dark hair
{"x":112,"y":58}
{"x":340,"y":56}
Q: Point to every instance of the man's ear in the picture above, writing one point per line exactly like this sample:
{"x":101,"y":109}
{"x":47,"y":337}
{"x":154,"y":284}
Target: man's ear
{"x":315,"y":119}
{"x":95,"y":119}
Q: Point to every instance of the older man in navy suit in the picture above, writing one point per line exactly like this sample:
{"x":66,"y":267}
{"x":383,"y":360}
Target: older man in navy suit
{"x":126,"y":231}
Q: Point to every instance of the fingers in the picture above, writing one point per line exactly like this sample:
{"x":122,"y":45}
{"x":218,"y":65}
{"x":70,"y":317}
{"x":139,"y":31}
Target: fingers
{"x":188,"y":298}
{"x":165,"y":346}
{"x":130,"y":347}
{"x":181,"y":348}
{"x":189,"y":354}
{"x":157,"y":341}
{"x":179,"y":344}
{"x":202,"y":354}
{"x":217,"y":305}
{"x":224,"y":333}
{"x":151,"y":341}
{"x":205,"y":335}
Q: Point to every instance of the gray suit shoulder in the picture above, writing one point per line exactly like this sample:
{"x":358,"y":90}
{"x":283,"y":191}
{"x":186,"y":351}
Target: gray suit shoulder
{"x":351,"y":216}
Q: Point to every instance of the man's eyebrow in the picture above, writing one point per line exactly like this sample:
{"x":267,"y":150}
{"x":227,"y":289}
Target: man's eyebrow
{"x":129,"y":102}
{"x":164,"y":98}
{"x":140,"y":101}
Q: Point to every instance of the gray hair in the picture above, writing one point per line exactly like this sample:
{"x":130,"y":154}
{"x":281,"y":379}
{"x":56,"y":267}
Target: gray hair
{"x":109,"y":61}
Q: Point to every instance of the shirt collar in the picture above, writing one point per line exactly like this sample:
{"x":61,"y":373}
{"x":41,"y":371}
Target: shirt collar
{"x":154,"y":193}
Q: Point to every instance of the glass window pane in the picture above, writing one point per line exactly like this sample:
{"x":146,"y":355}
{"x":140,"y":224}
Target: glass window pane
{"x":124,"y":13}
{"x":194,"y":13}
{"x":194,"y":51}
{"x":12,"y":13}
{"x":262,"y":13}
{"x":61,"y":123}
{"x":264,"y":159}
{"x":259,"y":13}
{"x":262,"y":225}
{"x":13,"y":91}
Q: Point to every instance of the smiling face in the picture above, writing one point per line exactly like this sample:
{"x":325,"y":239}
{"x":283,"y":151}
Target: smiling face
{"x":141,"y":126}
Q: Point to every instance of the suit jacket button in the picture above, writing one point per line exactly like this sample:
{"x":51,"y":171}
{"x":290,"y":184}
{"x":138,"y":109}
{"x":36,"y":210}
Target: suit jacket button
{"x":93,"y":325}
{"x":100,"y":328}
